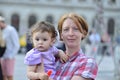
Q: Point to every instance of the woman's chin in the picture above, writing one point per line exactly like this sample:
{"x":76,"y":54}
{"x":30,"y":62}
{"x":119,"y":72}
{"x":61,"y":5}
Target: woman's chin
{"x":71,"y":45}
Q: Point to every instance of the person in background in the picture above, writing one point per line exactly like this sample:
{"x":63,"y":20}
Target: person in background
{"x":60,"y":45}
{"x":73,"y":29}
{"x":106,"y":41}
{"x":2,"y":44}
{"x":2,"y":51}
{"x":29,"y":44}
{"x":95,"y":40}
{"x":41,"y":58}
{"x":11,"y":38}
{"x":94,"y":37}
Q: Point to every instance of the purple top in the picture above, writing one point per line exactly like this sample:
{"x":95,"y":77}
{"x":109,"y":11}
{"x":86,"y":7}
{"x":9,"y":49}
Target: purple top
{"x":34,"y":57}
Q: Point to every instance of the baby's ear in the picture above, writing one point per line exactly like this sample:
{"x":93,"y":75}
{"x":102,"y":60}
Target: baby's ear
{"x":53,"y":41}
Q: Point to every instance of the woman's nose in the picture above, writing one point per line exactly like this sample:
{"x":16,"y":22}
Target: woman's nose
{"x":71,"y":32}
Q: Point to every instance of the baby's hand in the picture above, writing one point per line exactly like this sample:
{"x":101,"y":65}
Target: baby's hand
{"x":63,"y":56}
{"x":43,"y":76}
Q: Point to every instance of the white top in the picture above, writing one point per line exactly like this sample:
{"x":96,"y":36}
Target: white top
{"x":94,"y":38}
{"x":11,"y":38}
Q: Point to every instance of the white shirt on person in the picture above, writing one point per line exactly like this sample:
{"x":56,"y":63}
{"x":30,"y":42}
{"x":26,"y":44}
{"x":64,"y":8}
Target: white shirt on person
{"x":94,"y":38}
{"x":11,"y":38}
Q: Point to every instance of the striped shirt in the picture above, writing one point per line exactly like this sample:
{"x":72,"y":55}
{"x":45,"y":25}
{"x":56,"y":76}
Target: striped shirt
{"x":78,"y":64}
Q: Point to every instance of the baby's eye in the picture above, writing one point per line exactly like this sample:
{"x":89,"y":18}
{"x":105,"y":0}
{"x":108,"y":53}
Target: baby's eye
{"x":37,"y":39}
{"x":44,"y":39}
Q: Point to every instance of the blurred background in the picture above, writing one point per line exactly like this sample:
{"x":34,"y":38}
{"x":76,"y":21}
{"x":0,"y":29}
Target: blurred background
{"x":102,"y":16}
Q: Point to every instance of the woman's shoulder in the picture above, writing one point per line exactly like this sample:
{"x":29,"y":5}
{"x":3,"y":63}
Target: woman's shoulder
{"x":86,"y":59}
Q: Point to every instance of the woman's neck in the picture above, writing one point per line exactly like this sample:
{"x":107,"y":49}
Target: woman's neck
{"x":70,"y":51}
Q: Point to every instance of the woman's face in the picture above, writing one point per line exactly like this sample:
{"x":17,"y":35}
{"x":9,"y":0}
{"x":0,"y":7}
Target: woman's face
{"x":71,"y":34}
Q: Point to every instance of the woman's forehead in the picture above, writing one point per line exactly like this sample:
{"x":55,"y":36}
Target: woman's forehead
{"x":69,"y":22}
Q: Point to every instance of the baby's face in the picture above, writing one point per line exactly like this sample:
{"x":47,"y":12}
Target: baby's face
{"x":42,"y":40}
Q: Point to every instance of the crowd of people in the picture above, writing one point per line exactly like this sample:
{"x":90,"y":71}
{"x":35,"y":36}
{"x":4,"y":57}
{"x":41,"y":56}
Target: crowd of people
{"x":98,"y":44}
{"x":69,"y":64}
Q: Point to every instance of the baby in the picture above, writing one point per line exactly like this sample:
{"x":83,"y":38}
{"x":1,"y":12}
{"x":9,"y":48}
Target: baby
{"x":41,"y":58}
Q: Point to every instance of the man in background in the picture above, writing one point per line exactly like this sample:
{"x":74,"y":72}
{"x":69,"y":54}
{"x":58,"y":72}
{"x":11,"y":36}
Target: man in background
{"x":11,"y":38}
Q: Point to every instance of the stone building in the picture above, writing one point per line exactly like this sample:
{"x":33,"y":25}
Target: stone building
{"x":23,"y":13}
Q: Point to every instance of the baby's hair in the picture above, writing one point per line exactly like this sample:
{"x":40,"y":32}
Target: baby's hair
{"x":43,"y":27}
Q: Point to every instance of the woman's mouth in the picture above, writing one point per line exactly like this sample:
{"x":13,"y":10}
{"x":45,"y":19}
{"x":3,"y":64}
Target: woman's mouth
{"x":71,"y":40}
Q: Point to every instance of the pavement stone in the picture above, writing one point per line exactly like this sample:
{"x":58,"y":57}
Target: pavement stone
{"x":20,"y":68}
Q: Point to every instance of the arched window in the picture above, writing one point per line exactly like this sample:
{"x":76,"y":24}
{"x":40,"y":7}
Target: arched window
{"x":15,"y":21}
{"x":112,"y":1}
{"x":49,"y":18}
{"x":94,"y":21}
{"x":1,"y":14}
{"x":111,"y":25}
{"x":32,"y":20}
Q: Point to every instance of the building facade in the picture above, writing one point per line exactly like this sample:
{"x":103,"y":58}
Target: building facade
{"x":23,"y":13}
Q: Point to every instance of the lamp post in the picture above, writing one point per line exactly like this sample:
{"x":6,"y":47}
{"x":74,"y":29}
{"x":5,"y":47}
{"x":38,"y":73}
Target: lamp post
{"x":99,"y":16}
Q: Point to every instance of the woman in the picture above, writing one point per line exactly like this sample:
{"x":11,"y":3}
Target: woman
{"x":73,"y":29}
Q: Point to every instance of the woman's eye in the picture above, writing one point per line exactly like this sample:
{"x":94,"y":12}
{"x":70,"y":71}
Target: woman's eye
{"x":76,"y":29}
{"x":65,"y":29}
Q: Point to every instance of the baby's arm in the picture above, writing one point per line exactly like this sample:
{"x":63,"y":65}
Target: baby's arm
{"x":32,"y":74}
{"x":63,"y":56}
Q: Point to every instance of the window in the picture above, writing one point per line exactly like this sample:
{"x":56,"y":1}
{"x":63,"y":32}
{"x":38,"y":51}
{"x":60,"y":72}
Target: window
{"x":15,"y":21}
{"x":111,"y":25}
{"x":112,"y":1}
{"x":1,"y":14}
{"x":81,"y":0}
{"x":94,"y":21}
{"x":49,"y":18}
{"x":32,"y":20}
{"x":66,"y":1}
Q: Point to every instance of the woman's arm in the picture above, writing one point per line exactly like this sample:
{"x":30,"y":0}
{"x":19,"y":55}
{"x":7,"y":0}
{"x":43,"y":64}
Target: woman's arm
{"x":88,"y":69}
{"x":79,"y":78}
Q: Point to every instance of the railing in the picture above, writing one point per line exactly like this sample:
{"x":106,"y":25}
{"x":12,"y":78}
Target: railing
{"x":98,"y":51}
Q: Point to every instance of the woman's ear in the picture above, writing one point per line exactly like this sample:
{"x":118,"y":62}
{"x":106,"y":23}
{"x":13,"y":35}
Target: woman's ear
{"x":61,"y":37}
{"x":83,"y":36}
